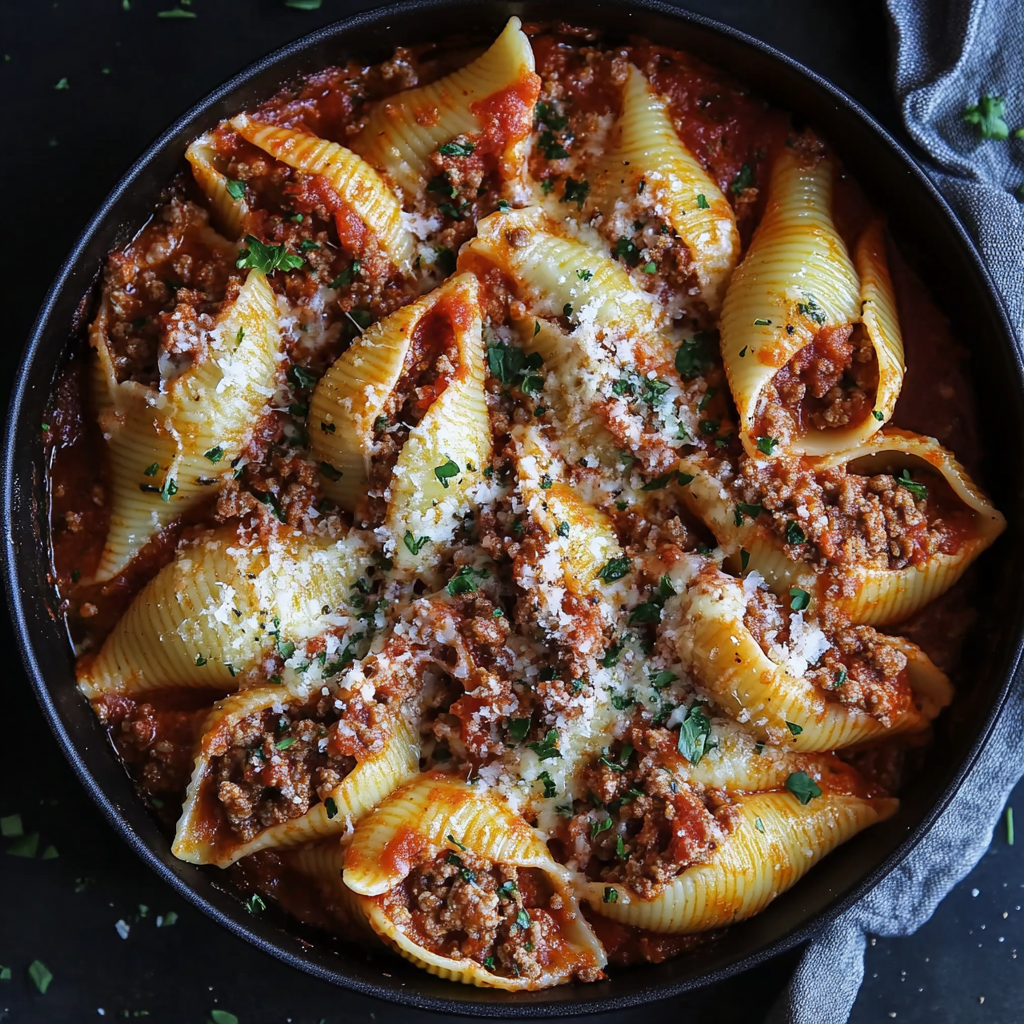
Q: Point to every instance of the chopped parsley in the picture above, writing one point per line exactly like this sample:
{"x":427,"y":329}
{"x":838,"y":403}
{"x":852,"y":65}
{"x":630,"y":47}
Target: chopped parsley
{"x":987,"y":115}
{"x":611,"y":895}
{"x":794,"y":533}
{"x":743,"y":180}
{"x":811,"y":310}
{"x":800,"y":599}
{"x":614,"y":569}
{"x":518,"y":729}
{"x":694,"y":356}
{"x":451,"y":839}
{"x":503,"y":206}
{"x":40,"y":975}
{"x":414,"y":544}
{"x":456,"y":148}
{"x":766,"y":445}
{"x":759,"y":825}
{"x":551,"y":146}
{"x":878,"y":415}
{"x":548,"y":114}
{"x":152,"y":469}
{"x":331,"y":807}
{"x":745,"y":509}
{"x":794,"y":728}
{"x":612,"y":655}
{"x":446,"y":471}
{"x":301,"y":377}
{"x":576,"y":192}
{"x":344,"y":279}
{"x":550,"y":789}
{"x":266,"y":258}
{"x":255,"y":905}
{"x":463,"y":581}
{"x":761,"y":322}
{"x":650,"y":268}
{"x":597,"y":827}
{"x":695,"y":735}
{"x":626,"y":250}
{"x":645,"y":614}
{"x":236,"y":189}
{"x":702,"y":203}
{"x":547,"y":749}
{"x":839,"y":678}
{"x":214,"y":454}
{"x":803,"y":787}
{"x":919,"y":491}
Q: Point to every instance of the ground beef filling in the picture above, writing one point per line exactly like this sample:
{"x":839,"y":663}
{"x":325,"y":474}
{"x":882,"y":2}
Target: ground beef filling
{"x":277,"y":765}
{"x":460,"y":906}
{"x":430,"y":364}
{"x":832,"y":382}
{"x":877,"y":522}
{"x":641,"y":827}
{"x":162,"y":293}
{"x":863,"y":669}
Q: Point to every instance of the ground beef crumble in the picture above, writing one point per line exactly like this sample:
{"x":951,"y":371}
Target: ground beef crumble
{"x":640,"y":825}
{"x":460,"y":906}
{"x":277,"y":764}
{"x":848,"y":519}
{"x":863,"y":670}
{"x":829,"y":383}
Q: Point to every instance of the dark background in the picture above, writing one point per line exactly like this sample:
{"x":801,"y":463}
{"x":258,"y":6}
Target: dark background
{"x":128,"y":74}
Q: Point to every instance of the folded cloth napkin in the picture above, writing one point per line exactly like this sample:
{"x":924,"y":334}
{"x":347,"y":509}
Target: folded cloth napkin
{"x":949,"y":54}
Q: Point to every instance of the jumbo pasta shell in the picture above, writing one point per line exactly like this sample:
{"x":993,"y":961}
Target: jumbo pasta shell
{"x":356,"y":183}
{"x":873,"y":596}
{"x":730,"y":667}
{"x":418,"y":819}
{"x":774,"y":842}
{"x":203,"y":837}
{"x":359,"y":387}
{"x":207,"y":617}
{"x":171,"y":449}
{"x":645,"y":147}
{"x":403,"y":130}
{"x":795,"y":257}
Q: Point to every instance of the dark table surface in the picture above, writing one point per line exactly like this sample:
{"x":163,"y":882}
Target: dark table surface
{"x":84,"y":86}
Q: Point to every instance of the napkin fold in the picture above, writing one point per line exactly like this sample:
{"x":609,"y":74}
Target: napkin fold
{"x":948,"y":55}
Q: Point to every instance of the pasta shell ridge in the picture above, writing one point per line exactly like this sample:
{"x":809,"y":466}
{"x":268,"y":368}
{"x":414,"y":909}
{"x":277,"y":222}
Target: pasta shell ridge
{"x":355,"y":182}
{"x":647,"y":148}
{"x":773,"y":844}
{"x":229,"y":214}
{"x":170,"y":450}
{"x":403,"y":131}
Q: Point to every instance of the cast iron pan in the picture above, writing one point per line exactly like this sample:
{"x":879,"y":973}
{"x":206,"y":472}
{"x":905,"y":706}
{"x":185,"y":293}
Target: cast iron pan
{"x":929,"y":236}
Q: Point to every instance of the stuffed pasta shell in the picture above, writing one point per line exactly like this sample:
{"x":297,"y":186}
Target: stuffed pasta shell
{"x":810,"y":337}
{"x":173,"y":445}
{"x":367,"y":214}
{"x":796,"y":684}
{"x":648,"y":170}
{"x":208,"y":617}
{"x":874,"y":532}
{"x":483,"y":111}
{"x":437,"y":834}
{"x":278,"y":768}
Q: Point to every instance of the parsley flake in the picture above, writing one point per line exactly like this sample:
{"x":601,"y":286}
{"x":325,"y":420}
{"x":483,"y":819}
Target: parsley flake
{"x":803,"y":787}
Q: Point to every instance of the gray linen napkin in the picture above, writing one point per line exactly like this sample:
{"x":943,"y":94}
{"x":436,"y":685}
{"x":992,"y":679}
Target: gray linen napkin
{"x":949,"y":53}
